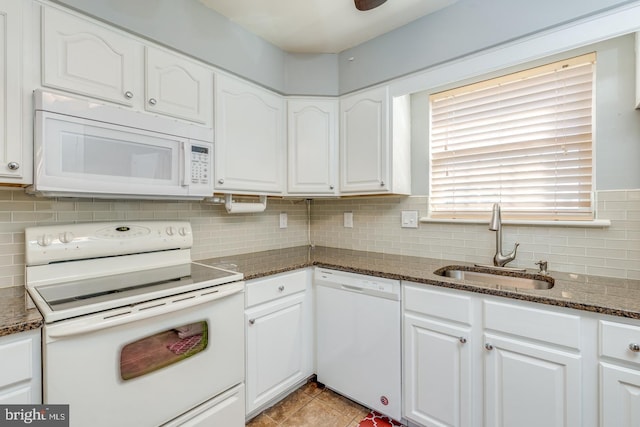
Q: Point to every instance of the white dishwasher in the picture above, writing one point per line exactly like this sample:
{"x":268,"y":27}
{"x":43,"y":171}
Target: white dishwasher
{"x":358,"y":338}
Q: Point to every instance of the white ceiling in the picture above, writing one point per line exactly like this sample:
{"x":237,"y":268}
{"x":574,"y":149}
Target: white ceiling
{"x":321,"y":26}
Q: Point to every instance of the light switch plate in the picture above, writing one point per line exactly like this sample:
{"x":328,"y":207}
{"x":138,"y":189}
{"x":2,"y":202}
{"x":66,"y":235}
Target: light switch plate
{"x":283,"y":220}
{"x":348,"y":219}
{"x":409,"y":219}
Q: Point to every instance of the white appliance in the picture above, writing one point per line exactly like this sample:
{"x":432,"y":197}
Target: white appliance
{"x":135,"y":333}
{"x":358,"y":338}
{"x":87,"y":149}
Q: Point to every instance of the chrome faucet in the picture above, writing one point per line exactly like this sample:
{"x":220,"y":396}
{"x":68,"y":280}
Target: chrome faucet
{"x":499,"y":259}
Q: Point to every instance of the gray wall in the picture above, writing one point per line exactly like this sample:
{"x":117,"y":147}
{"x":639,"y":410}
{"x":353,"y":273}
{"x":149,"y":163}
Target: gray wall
{"x":311,"y":74}
{"x":190,"y":27}
{"x":465,"y":27}
{"x":616,"y":127}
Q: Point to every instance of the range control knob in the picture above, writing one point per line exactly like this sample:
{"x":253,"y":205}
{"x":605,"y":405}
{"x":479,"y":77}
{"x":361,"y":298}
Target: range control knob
{"x":171,"y":231}
{"x":182,"y":231}
{"x":67,"y":237}
{"x":44,"y":240}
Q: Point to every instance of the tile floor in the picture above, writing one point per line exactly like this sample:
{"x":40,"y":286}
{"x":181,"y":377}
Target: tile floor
{"x":311,"y":406}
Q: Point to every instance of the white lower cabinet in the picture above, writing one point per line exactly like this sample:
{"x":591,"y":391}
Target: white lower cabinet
{"x":533,"y":365}
{"x":619,"y":374}
{"x":20,"y":370}
{"x":437,"y":357}
{"x":483,"y":361}
{"x":620,"y":396}
{"x":279,"y":333}
{"x":530,"y":385}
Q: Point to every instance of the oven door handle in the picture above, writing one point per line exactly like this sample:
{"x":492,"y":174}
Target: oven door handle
{"x":142,"y":311}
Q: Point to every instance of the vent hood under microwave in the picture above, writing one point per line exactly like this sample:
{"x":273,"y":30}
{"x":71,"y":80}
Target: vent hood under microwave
{"x":88,"y":149}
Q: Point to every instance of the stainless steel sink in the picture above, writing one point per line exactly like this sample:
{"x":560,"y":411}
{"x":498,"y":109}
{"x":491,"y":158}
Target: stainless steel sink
{"x":501,"y":278}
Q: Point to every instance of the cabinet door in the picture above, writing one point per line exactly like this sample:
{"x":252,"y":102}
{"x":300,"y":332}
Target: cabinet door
{"x":250,"y":144}
{"x":12,"y":163}
{"x":619,"y":396}
{"x":178,"y":87}
{"x":20,"y":378}
{"x":364,"y":142}
{"x":529,"y":385}
{"x":437,"y":373}
{"x":275,"y":349}
{"x":89,"y":59}
{"x":312,"y":146}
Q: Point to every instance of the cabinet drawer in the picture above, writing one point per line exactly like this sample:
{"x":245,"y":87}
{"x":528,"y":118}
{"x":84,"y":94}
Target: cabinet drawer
{"x":543,"y":325}
{"x":617,"y":341}
{"x":16,"y":359}
{"x":437,"y":303}
{"x":263,"y":290}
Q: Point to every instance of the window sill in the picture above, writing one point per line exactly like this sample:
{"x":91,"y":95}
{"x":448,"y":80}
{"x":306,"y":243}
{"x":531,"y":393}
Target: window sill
{"x":596,"y":223}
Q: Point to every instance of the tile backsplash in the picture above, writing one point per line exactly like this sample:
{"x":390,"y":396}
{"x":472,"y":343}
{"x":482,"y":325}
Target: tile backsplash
{"x":215,"y":232}
{"x":612,"y":251}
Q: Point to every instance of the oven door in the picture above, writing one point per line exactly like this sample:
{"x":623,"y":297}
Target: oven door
{"x":147,"y":364}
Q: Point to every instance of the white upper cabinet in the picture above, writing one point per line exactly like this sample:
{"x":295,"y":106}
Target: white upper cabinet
{"x":250,"y":142}
{"x":312,"y":147}
{"x":374,"y":148}
{"x":178,"y":87}
{"x":15,"y":161}
{"x":87,"y":58}
{"x":91,"y":59}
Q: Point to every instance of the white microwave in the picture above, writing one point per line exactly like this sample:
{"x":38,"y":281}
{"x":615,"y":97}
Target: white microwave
{"x":88,"y":149}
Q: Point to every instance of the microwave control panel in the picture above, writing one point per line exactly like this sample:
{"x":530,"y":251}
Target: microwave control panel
{"x":200,"y":165}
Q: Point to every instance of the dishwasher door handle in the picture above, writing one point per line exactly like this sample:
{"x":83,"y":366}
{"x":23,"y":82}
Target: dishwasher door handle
{"x":352,"y":288}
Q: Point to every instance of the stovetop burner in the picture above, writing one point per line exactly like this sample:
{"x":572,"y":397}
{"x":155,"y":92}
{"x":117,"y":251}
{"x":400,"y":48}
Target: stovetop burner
{"x":80,"y":269}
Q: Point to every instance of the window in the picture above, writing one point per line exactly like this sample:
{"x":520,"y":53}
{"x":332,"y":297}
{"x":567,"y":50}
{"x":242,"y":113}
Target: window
{"x":523,"y":140}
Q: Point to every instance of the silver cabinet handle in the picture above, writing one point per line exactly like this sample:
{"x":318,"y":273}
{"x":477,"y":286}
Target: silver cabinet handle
{"x":281,"y":288}
{"x":14,"y":166}
{"x":331,"y":187}
{"x":488,"y":346}
{"x":381,"y":183}
{"x":462,"y":340}
{"x":634,"y":347}
{"x":153,"y":101}
{"x":128,"y":94}
{"x":221,"y":181}
{"x":252,"y":321}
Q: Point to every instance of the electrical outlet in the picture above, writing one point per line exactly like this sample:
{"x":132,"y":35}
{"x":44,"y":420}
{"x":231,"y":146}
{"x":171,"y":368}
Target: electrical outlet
{"x":409,"y":219}
{"x":348,"y":219}
{"x":283,"y":220}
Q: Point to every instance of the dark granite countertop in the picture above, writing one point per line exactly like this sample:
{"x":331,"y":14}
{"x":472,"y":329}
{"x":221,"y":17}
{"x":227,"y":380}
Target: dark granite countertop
{"x":617,"y":297}
{"x":612,"y":296}
{"x":14,"y":316}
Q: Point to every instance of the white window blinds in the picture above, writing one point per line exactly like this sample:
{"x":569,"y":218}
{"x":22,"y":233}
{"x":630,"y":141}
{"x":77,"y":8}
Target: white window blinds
{"x":523,"y":140}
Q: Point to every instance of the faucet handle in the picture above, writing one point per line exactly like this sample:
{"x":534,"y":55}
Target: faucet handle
{"x":543,"y":266}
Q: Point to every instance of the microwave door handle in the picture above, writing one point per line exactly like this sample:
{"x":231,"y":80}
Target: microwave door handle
{"x":186,"y":163}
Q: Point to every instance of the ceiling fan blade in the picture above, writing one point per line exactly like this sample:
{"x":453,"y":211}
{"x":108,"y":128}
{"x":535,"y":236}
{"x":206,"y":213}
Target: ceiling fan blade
{"x":368,"y":4}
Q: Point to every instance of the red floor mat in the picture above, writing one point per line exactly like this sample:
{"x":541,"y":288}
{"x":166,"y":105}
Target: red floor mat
{"x":374,"y":419}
